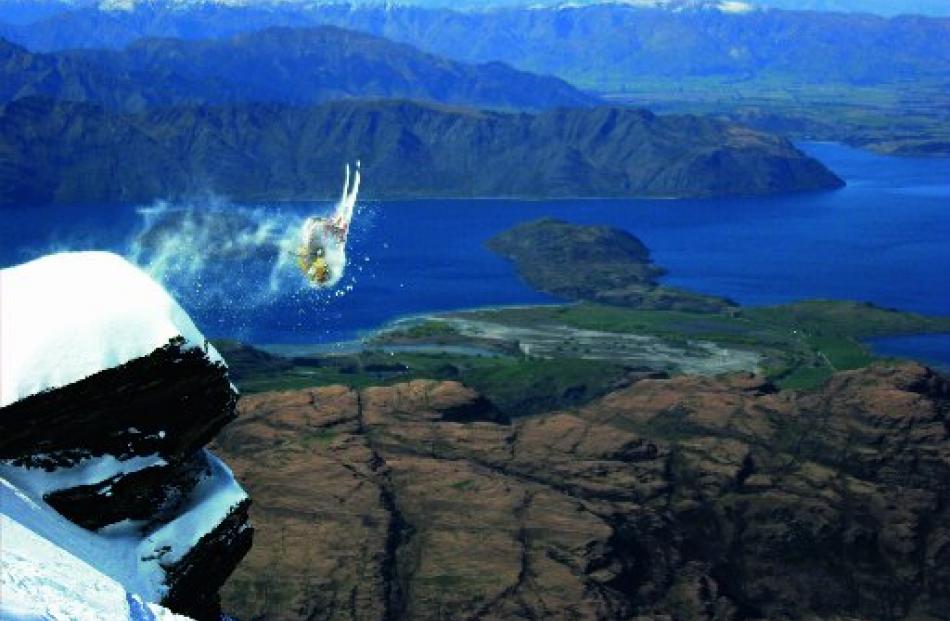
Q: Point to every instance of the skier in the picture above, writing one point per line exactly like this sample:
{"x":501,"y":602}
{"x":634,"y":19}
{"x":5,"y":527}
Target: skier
{"x":321,"y":255}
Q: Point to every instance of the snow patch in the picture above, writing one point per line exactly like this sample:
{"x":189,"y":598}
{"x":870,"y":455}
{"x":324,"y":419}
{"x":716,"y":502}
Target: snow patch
{"x":42,"y":581}
{"x":89,"y":471}
{"x":733,"y":6}
{"x":53,"y":567}
{"x":676,"y":6}
{"x":67,"y":316}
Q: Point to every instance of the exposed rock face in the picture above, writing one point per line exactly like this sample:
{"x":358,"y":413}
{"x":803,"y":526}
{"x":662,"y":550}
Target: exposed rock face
{"x":152,"y":494}
{"x":163,"y":407}
{"x":172,"y":402}
{"x":195,"y":579}
{"x":684,"y":498}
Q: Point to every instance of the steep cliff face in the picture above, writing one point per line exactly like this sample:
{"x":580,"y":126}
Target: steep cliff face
{"x":683,"y":498}
{"x":110,"y":395}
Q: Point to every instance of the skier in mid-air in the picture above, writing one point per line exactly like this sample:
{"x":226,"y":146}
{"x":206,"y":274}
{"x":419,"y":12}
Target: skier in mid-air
{"x":321,"y":255}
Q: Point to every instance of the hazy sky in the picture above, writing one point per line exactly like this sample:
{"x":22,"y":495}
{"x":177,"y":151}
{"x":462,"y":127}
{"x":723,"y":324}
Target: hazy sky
{"x":883,"y":7}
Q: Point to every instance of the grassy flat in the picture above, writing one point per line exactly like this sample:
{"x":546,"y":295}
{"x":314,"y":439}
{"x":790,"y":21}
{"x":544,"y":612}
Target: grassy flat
{"x":532,"y":359}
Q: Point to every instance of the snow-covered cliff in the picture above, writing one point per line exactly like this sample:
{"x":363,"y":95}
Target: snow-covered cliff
{"x":109,"y":504}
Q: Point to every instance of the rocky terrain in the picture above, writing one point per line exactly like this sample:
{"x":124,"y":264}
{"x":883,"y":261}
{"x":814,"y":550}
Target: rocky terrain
{"x":672,"y":498}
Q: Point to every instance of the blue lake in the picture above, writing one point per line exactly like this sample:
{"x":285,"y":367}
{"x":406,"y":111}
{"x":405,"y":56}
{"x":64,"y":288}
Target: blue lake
{"x":882,"y":239}
{"x":933,"y":349}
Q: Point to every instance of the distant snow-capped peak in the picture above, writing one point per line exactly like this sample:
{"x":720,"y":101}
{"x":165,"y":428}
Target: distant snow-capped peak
{"x":734,"y":6}
{"x":131,"y":5}
{"x":725,"y":6}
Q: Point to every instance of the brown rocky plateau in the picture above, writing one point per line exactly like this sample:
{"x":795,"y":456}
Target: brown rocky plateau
{"x":684,"y":498}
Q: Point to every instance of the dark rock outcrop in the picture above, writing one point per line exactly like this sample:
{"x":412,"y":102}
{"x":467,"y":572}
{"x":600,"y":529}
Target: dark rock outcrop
{"x":171,"y":402}
{"x":152,"y":495}
{"x":195,"y":579}
{"x":673,"y":498}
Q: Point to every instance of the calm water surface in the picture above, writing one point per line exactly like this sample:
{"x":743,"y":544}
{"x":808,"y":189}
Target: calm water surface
{"x":882,"y":239}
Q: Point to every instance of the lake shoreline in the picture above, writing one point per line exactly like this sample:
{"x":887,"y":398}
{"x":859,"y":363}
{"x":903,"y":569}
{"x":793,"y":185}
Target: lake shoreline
{"x":378,"y":339}
{"x":930,"y":349}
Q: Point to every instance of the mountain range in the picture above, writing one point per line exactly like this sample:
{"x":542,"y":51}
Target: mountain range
{"x":294,"y":66}
{"x":64,"y":152}
{"x":603,"y":46}
{"x":269,"y":115}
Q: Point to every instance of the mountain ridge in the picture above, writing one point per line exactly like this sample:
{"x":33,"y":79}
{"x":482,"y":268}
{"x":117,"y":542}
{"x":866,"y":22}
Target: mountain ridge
{"x":61,"y":152}
{"x":294,"y":66}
